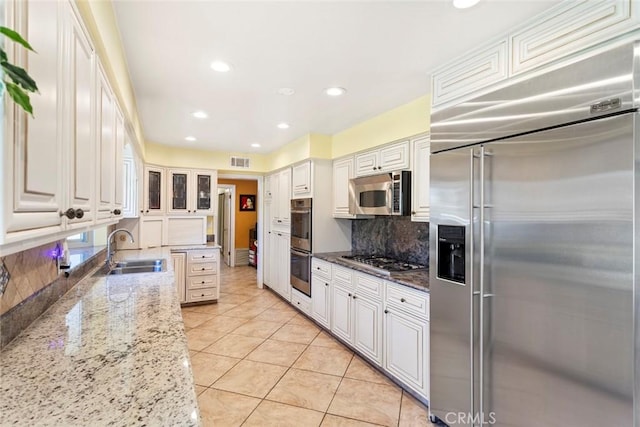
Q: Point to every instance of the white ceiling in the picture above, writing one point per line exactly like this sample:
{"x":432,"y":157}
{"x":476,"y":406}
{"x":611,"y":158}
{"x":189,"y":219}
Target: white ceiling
{"x":381,"y":51}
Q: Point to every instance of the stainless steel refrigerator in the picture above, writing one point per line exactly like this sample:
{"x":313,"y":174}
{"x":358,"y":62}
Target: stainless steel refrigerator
{"x":534,"y":255}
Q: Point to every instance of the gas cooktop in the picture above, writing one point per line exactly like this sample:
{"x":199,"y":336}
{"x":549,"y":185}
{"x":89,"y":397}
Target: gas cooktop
{"x":381,"y":264}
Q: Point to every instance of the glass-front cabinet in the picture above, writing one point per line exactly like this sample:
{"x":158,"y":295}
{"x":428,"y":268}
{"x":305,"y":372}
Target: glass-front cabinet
{"x":154,"y":191}
{"x":190,"y":191}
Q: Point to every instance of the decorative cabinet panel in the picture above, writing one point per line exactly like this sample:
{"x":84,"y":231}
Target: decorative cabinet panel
{"x":205,"y":184}
{"x":118,"y":196}
{"x":420,"y":179}
{"x":179,"y":191}
{"x":388,"y":158}
{"x":280,"y":267}
{"x":179,"y":260}
{"x":342,"y":312}
{"x":154,"y":192}
{"x":569,"y":28}
{"x":367,"y":313}
{"x":321,"y":292}
{"x":301,"y":181}
{"x":342,"y":173}
{"x":152,"y":230}
{"x":186,"y":230}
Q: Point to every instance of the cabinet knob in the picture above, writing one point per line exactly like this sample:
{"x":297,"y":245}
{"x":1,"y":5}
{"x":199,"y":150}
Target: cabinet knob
{"x":141,"y":210}
{"x":69,"y":213}
{"x":189,"y":211}
{"x":326,"y":284}
{"x":349,"y":294}
{"x":202,"y":256}
{"x":413,"y":212}
{"x":354,"y":297}
{"x":306,"y":188}
{"x":202,"y":282}
{"x":79,"y":213}
{"x":147,"y":211}
{"x":202,"y":268}
{"x":386,"y":311}
{"x":202,"y":295}
{"x":403,"y":300}
{"x":374,"y":168}
{"x":116,"y":212}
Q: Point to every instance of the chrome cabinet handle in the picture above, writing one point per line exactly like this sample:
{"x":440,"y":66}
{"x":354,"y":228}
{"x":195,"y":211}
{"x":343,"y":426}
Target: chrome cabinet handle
{"x":69,"y":213}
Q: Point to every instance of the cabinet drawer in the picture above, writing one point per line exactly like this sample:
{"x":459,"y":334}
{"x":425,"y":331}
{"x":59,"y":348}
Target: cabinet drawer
{"x":409,"y":300}
{"x":204,"y":294}
{"x":202,"y":256}
{"x":202,"y":281}
{"x":302,"y":303}
{"x":368,"y":284}
{"x":321,"y":268}
{"x":343,"y":275}
{"x":202,"y":268}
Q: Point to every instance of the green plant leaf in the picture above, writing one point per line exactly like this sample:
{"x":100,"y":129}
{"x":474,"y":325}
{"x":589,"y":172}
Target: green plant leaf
{"x":19,"y":76}
{"x":3,"y":55}
{"x":20,"y":97}
{"x":15,"y":37}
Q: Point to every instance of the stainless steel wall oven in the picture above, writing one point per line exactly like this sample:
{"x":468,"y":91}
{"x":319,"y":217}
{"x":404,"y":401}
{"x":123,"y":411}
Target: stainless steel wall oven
{"x":301,"y":234}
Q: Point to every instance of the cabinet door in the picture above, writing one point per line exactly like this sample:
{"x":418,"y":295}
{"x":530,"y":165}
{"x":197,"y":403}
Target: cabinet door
{"x":205,"y":188}
{"x":186,"y":230}
{"x":284,"y":265}
{"x":321,"y":300}
{"x":130,"y":184}
{"x":420,"y":180}
{"x":153,"y":190}
{"x":179,"y":186}
{"x":342,"y":173}
{"x":179,"y":262}
{"x":394,"y":157}
{"x":407,"y":350}
{"x":284,"y":197}
{"x":119,"y":163}
{"x":342,"y":313}
{"x":106,"y":148}
{"x":368,"y":327}
{"x":275,"y":192}
{"x":267,"y":188}
{"x":367,"y":163}
{"x":34,"y":146}
{"x":81,"y":149}
{"x":301,"y":180}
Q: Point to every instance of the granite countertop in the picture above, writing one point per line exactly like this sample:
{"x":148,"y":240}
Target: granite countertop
{"x":415,"y":279}
{"x":110,"y":351}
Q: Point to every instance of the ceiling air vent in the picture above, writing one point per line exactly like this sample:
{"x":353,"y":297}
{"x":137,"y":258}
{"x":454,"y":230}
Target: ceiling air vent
{"x":239,"y":162}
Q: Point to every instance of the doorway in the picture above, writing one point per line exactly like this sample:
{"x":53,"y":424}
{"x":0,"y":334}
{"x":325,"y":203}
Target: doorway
{"x":226,"y":222}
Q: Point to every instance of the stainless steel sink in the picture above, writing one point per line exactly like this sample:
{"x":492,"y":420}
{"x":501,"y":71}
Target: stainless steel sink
{"x":140,"y":263}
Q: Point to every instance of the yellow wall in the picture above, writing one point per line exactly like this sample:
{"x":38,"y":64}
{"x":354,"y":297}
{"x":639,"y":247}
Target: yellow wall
{"x":165,"y":155}
{"x":245,"y":220}
{"x":100,"y":21}
{"x":406,"y":120}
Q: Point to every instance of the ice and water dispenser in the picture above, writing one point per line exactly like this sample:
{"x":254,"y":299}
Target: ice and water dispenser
{"x":451,"y":253}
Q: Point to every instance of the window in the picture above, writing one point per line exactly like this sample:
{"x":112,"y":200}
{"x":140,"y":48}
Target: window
{"x":80,"y":240}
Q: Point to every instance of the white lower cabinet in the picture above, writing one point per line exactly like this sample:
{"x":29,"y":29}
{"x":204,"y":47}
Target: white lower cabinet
{"x":279,"y":270}
{"x":179,"y":260}
{"x":321,"y":292}
{"x":202,"y":276}
{"x":367,"y":315}
{"x":301,"y":301}
{"x":342,"y":305}
{"x":406,"y":332}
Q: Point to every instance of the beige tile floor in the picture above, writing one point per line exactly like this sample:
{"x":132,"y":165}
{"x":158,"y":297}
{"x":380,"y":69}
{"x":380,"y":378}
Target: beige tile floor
{"x":259,"y":362}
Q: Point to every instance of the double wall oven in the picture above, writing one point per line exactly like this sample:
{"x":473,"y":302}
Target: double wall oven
{"x":301,"y":245}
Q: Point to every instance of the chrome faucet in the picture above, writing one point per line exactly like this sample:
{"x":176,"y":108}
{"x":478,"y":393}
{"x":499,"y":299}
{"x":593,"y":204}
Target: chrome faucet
{"x":109,"y":252}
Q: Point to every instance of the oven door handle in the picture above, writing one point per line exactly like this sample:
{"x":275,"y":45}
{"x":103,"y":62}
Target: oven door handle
{"x":299,"y":253}
{"x":301,"y":211}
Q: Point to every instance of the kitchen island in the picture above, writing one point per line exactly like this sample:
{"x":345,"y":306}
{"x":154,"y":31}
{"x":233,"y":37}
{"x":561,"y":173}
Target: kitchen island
{"x":111,"y":351}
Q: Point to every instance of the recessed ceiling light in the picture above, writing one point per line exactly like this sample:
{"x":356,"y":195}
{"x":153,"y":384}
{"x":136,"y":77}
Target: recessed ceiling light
{"x":286,"y":91}
{"x":190,"y":138}
{"x":220,"y":66}
{"x":464,"y":4}
{"x":200,"y":115}
{"x":283,"y":126}
{"x":255,"y":145}
{"x":335,"y":91}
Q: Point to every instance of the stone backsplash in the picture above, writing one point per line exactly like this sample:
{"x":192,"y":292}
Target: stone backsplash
{"x":392,"y":236}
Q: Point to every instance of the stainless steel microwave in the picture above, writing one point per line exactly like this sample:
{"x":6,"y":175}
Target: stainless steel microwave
{"x":382,"y":194}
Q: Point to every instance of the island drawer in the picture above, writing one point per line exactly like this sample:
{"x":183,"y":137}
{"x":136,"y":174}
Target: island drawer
{"x":202,"y":255}
{"x":321,"y":268}
{"x":202,"y":281}
{"x":204,"y":294}
{"x":407,"y":299}
{"x":201,"y":269}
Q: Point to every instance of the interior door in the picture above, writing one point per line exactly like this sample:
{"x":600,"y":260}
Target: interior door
{"x":559,"y":274}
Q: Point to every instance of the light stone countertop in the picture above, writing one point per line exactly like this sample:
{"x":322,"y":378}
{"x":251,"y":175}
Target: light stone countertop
{"x":112,"y":351}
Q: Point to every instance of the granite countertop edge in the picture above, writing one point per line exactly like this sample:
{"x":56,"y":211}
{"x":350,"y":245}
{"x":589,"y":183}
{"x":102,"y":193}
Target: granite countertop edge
{"x":418,"y":280}
{"x":112,"y":350}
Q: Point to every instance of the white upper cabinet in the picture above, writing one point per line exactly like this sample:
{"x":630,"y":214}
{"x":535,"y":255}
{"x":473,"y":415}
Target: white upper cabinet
{"x":388,"y":158}
{"x":118,"y":196}
{"x":106,"y":148}
{"x":80,"y":73}
{"x":280,"y":185}
{"x":420,"y":179}
{"x":569,"y":30}
{"x":191,"y":192}
{"x":342,"y":173}
{"x":154,"y":192}
{"x":302,"y":180}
